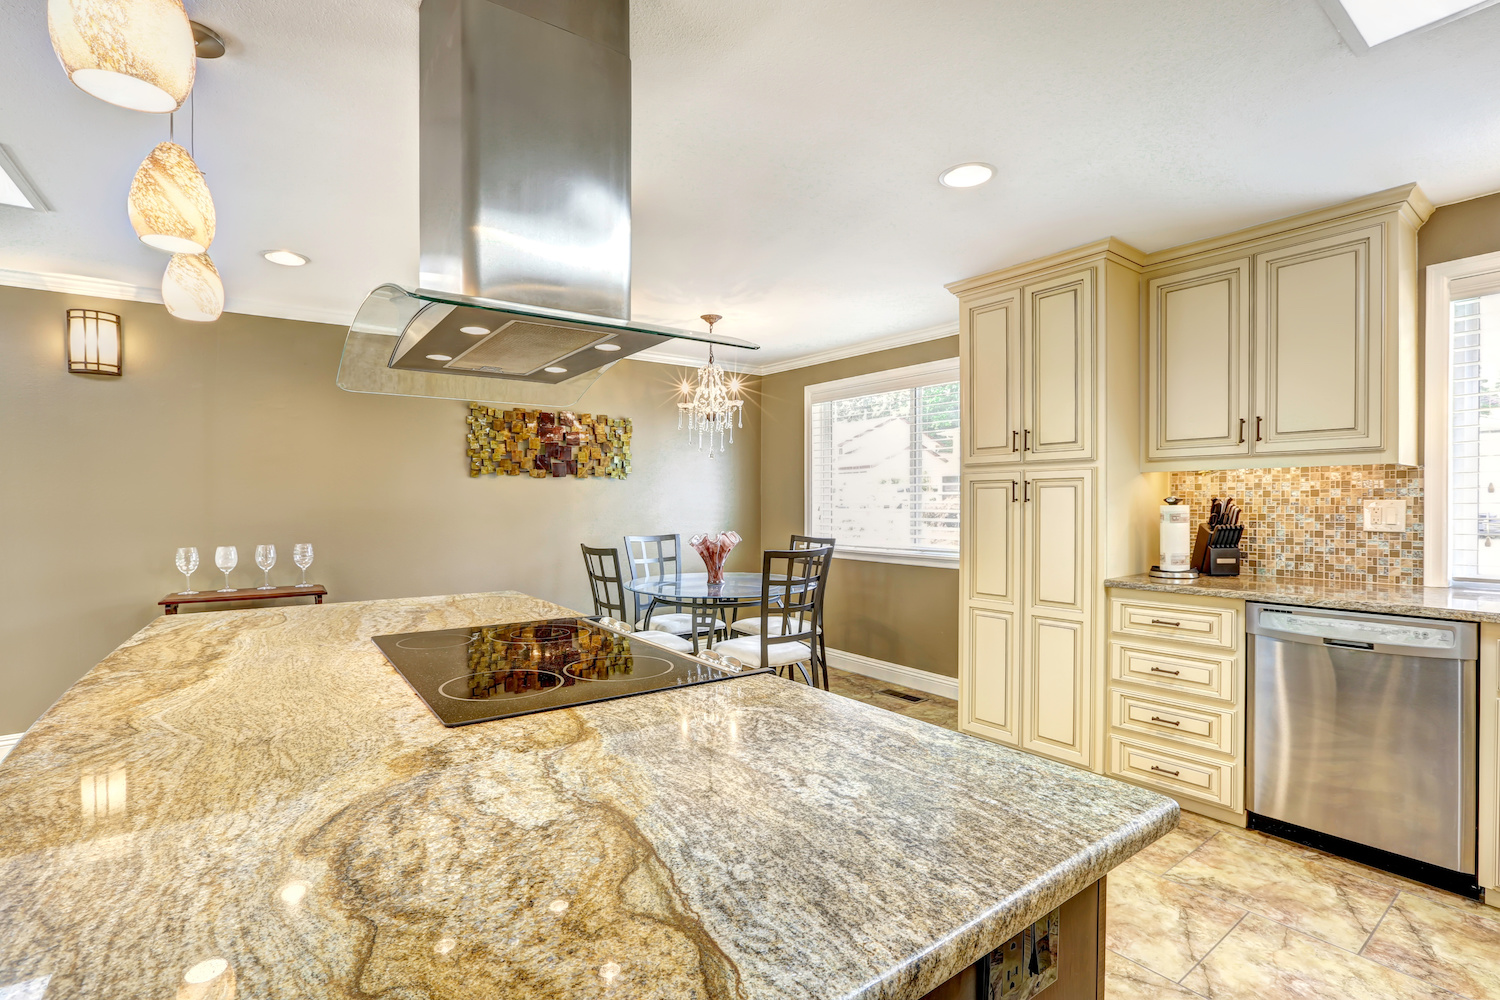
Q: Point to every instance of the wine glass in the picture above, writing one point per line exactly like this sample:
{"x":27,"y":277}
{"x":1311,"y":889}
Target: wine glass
{"x":265,"y":558}
{"x":302,"y":555}
{"x":226,"y":557}
{"x":187,"y":564}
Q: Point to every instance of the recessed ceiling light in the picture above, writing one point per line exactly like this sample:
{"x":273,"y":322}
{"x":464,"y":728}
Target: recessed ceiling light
{"x":606,"y":347}
{"x":554,"y":369}
{"x":438,"y":357}
{"x":474,"y":331}
{"x":966,"y":175}
{"x":286,"y":258}
{"x":1381,"y":20}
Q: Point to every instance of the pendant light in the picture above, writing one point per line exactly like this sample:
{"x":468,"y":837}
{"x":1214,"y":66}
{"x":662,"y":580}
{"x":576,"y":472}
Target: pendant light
{"x":191,"y":288}
{"x":169,"y":203}
{"x":137,"y":54}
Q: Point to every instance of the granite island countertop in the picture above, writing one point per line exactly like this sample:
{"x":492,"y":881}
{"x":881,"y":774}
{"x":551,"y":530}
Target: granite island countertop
{"x":256,"y":799}
{"x":1469,"y":604}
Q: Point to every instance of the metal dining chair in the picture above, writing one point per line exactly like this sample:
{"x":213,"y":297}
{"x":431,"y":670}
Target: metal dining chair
{"x":793,"y":582}
{"x":752,"y":626}
{"x":608,"y":591}
{"x":661,"y":556}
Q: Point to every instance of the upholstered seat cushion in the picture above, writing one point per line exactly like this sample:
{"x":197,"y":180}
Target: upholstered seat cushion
{"x":666,"y":640}
{"x":747,"y":651}
{"x":678,"y":624}
{"x":752,"y":626}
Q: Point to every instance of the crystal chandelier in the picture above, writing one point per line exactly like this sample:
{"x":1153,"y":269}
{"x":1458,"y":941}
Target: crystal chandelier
{"x":713,"y":403}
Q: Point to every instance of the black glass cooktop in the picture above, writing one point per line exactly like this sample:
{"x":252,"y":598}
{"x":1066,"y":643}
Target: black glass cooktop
{"x":475,"y":674}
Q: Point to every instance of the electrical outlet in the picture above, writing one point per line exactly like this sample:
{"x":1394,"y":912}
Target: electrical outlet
{"x":1385,"y":515}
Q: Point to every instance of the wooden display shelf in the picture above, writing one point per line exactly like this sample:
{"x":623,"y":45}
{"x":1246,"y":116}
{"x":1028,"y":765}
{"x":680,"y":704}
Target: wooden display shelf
{"x":313,"y":590}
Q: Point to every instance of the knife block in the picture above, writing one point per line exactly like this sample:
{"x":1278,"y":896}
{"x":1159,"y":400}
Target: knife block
{"x":1213,"y":560}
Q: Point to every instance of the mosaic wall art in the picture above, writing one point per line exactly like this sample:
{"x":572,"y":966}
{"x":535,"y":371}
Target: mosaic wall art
{"x":1309,"y":523}
{"x":547,"y":443}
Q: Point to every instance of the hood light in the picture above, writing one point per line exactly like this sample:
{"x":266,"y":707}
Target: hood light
{"x":966,"y":175}
{"x":286,"y":258}
{"x":474,"y":331}
{"x":554,"y":369}
{"x":606,"y":347}
{"x":438,"y":357}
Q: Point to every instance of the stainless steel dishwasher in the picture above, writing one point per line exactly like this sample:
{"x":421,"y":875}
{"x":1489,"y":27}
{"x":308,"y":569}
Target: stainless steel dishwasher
{"x":1363,"y":738}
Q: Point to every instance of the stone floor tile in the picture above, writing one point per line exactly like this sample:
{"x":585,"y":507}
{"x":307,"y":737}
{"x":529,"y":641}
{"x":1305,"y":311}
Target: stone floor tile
{"x":1163,"y":925}
{"x":1450,"y":947}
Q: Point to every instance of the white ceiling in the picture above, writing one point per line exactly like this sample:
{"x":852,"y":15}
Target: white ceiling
{"x":786,"y":151}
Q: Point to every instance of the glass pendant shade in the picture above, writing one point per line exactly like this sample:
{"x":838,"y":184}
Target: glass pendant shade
{"x":170,"y":206}
{"x":191,"y":288}
{"x":134,"y":53}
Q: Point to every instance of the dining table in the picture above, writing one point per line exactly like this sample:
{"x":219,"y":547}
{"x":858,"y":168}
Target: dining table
{"x":737,"y":590}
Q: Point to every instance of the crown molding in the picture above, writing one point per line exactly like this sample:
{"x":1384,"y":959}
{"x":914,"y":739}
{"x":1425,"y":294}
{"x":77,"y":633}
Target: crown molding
{"x":885,"y":343}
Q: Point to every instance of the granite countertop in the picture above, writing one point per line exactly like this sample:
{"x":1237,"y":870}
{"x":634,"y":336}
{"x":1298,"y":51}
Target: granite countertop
{"x":1469,"y":604}
{"x":254,"y":804}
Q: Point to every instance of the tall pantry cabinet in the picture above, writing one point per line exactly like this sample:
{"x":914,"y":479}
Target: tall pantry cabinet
{"x":1053,"y":497}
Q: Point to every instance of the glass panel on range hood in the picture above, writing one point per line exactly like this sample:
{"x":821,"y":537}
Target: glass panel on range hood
{"x":425,"y":343}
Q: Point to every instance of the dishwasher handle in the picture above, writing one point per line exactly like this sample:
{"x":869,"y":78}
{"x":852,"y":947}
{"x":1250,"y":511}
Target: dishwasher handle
{"x":1347,"y":644}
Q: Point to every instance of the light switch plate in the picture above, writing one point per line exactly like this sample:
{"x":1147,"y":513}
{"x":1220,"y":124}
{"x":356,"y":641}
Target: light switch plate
{"x":1385,"y":515}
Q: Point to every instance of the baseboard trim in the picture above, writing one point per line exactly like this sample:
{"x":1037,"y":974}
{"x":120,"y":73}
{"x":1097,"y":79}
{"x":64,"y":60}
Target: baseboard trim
{"x":894,"y":673}
{"x":6,"y":742}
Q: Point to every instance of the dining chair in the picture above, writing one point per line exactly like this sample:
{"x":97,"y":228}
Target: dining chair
{"x":661,"y":556}
{"x":793,"y":582}
{"x":608,"y":590}
{"x":752,"y":626}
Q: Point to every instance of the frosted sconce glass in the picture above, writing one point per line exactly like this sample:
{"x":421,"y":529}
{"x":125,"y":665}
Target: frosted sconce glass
{"x":93,"y":342}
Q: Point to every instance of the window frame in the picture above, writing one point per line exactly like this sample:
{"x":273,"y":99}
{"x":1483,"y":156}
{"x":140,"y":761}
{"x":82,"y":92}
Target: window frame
{"x":1437,"y":569}
{"x":886,"y":380}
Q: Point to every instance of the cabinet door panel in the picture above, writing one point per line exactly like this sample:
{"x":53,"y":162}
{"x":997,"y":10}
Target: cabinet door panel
{"x":990,"y":526}
{"x":1056,"y":690}
{"x":990,"y":350}
{"x":1059,"y":340}
{"x":1319,"y":345}
{"x":988,"y":692}
{"x":1198,"y":365}
{"x":1058,"y":542}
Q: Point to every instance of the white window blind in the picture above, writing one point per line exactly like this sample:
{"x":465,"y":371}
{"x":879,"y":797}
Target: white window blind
{"x":883,"y":463}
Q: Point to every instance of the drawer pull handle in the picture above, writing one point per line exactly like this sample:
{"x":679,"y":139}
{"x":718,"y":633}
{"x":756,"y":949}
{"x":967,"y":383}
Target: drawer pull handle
{"x":1170,"y":722}
{"x":1175,"y":774}
{"x":1163,"y":621}
{"x":1163,"y":670}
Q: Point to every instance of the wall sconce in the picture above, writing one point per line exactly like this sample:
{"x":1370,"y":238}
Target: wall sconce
{"x":93,"y":342}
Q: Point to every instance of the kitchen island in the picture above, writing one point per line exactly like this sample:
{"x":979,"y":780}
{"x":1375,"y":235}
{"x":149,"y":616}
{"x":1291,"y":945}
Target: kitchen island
{"x":254,"y":804}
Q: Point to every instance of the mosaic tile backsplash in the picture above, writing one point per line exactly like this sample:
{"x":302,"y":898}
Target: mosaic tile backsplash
{"x":1309,"y":523}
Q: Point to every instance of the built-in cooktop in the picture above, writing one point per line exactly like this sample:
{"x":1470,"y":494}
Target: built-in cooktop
{"x":479,"y":673}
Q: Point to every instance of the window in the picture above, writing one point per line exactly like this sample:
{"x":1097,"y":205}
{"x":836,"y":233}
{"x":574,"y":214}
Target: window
{"x":882,"y":471}
{"x":1463,"y":422}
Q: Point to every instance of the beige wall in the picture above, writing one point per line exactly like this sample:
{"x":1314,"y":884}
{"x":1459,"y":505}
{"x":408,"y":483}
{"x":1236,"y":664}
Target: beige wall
{"x":234,"y":433}
{"x":902,"y":614}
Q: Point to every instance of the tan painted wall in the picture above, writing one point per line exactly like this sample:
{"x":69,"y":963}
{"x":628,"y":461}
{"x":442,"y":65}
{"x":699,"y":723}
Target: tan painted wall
{"x":902,"y":614}
{"x":234,"y":433}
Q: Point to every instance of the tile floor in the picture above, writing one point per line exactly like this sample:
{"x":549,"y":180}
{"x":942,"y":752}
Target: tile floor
{"x":1215,"y":911}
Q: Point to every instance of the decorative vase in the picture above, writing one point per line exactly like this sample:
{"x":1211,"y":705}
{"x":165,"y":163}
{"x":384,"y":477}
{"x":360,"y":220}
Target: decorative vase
{"x":714,"y":549}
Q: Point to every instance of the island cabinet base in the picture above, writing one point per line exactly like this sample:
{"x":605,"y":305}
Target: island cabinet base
{"x":1080,"y":974}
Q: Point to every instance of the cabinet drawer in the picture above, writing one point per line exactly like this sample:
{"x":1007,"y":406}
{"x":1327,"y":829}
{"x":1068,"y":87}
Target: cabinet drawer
{"x":1205,"y":728}
{"x":1178,"y":622}
{"x":1170,"y":670}
{"x":1176,"y":772}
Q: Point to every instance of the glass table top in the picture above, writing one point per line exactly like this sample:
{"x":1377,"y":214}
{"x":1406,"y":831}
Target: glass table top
{"x":695,"y":586}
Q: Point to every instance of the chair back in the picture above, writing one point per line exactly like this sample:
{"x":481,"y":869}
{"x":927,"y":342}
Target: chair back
{"x":652,"y":555}
{"x":608,"y":590}
{"x":809,"y":542}
{"x":793,"y":582}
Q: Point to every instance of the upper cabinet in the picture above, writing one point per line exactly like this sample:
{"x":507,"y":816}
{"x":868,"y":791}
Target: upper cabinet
{"x":1029,"y":377}
{"x":1289,"y":344}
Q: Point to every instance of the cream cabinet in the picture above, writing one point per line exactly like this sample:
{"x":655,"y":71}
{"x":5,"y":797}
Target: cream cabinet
{"x":1291,"y":343}
{"x":1489,"y":761}
{"x":1027,"y":679}
{"x":1177,"y":698}
{"x":1029,"y":376}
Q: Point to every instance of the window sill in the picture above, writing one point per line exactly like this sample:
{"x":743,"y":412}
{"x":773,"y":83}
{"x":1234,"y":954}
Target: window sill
{"x":897,"y":558}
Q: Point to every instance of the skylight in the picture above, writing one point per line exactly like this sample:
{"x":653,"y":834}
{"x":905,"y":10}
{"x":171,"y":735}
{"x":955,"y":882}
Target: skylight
{"x":13,"y":187}
{"x":1381,"y":20}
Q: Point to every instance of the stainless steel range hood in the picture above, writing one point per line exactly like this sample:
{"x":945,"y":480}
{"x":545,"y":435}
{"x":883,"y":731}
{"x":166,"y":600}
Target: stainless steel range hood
{"x":525,"y":211}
